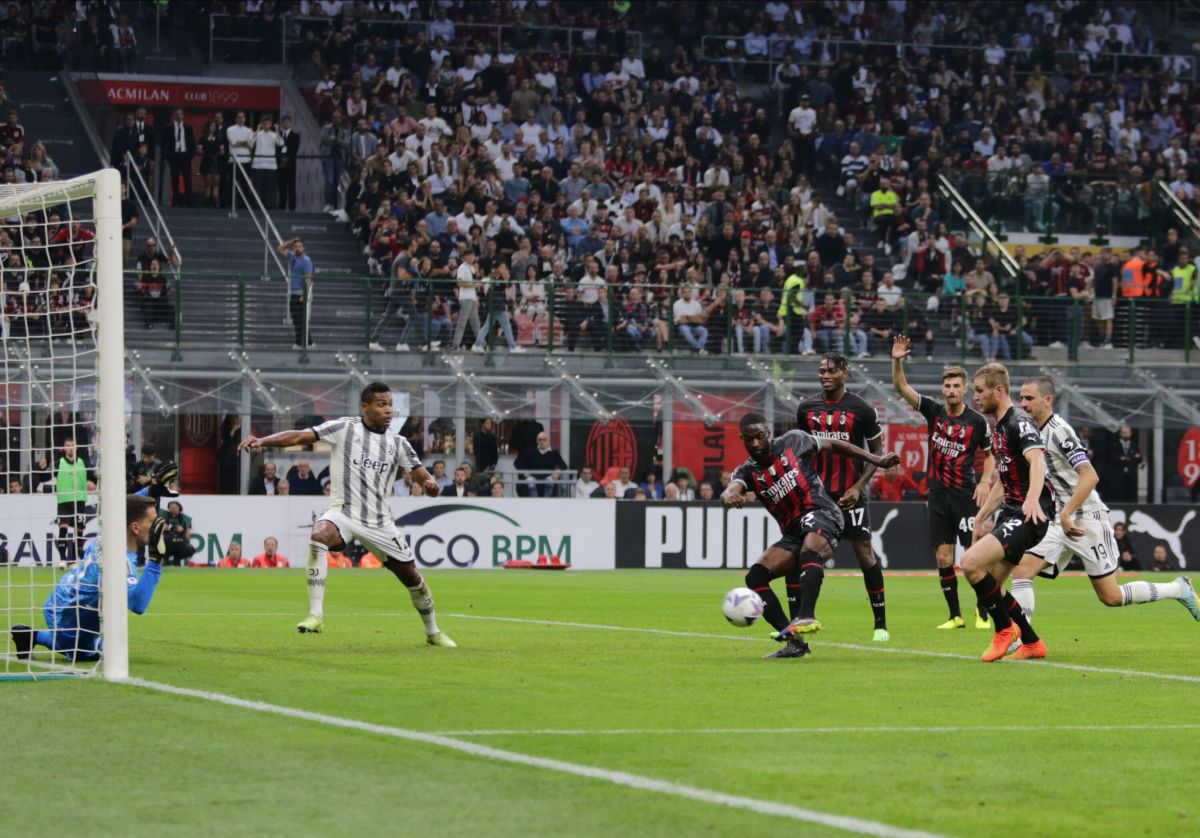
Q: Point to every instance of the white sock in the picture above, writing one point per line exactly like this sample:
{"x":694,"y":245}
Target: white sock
{"x":1135,"y":593}
{"x":318,"y":570}
{"x":422,"y":600}
{"x":1022,"y":591}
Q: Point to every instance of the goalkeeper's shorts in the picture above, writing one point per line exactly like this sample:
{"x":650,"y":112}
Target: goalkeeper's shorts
{"x":384,"y":541}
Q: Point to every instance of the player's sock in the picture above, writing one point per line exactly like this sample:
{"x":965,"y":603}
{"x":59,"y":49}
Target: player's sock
{"x":1022,"y":592}
{"x":422,"y":600}
{"x":60,"y":543}
{"x":793,"y":583}
{"x":1028,"y":635}
{"x":758,"y":579}
{"x":873,"y":580}
{"x":318,"y":570}
{"x":988,"y":591}
{"x":812,"y":575}
{"x":949,"y":580}
{"x":1135,"y":593}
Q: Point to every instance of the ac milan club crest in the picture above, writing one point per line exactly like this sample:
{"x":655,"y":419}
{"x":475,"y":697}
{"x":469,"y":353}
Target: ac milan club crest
{"x":611,"y":444}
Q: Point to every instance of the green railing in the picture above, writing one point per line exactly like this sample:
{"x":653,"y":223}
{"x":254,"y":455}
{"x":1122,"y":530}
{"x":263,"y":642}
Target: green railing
{"x":358,"y":314}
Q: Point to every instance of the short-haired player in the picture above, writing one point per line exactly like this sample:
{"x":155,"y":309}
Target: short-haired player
{"x":957,"y":435}
{"x":781,"y":473}
{"x":1025,"y":506}
{"x":365,"y":461}
{"x":835,"y":414}
{"x":1081,"y":528}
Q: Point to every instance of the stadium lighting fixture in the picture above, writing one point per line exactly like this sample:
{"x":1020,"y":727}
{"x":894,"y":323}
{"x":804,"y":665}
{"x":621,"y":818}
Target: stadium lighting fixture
{"x":243,"y":364}
{"x":559,"y":369}
{"x":143,"y":375}
{"x":355,"y":373}
{"x":1088,"y":405}
{"x":676,"y":383}
{"x":1176,"y":402}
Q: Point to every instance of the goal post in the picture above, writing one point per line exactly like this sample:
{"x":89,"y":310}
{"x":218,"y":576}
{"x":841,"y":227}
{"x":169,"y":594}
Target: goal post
{"x":62,"y":354}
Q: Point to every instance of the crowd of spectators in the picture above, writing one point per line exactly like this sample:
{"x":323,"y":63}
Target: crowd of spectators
{"x":657,"y":201}
{"x":91,"y":35}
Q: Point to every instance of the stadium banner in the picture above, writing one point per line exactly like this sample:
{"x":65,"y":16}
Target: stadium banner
{"x":179,"y":92}
{"x":707,"y":535}
{"x":443,"y":532}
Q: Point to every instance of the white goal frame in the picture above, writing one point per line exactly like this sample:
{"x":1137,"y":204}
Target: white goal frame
{"x":103,"y":189}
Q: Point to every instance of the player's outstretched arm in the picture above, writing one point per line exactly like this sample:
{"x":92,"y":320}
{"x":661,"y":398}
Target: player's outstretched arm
{"x":430,"y":485}
{"x":734,"y":495}
{"x":845,"y":449}
{"x":283,"y":439}
{"x":141,"y":591}
{"x":901,"y":346}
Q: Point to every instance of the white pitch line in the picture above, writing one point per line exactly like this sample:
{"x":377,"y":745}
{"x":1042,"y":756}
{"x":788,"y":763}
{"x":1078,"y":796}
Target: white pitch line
{"x":857,"y":647}
{"x":619,"y":778}
{"x":889,"y":650}
{"x":740,"y":731}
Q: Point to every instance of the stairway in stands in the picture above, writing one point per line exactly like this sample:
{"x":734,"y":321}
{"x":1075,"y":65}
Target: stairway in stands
{"x":218,"y":251}
{"x":853,"y":221}
{"x":48,"y":118}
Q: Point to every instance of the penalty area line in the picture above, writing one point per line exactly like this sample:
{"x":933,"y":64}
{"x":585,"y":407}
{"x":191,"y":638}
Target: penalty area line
{"x":857,"y":647}
{"x":618,"y":778}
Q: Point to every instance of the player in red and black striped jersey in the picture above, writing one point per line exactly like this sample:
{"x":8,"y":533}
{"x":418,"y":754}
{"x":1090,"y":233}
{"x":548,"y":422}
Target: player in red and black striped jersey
{"x":956,"y":436}
{"x":1026,"y":503}
{"x":782,"y":474}
{"x":836,"y":414}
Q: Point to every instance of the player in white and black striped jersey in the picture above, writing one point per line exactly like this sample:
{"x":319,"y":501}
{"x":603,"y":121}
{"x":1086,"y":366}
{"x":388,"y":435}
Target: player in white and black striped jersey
{"x":366,"y":459}
{"x":1081,"y":527}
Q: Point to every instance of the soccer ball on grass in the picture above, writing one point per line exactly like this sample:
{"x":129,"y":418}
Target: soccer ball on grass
{"x":742,"y":607}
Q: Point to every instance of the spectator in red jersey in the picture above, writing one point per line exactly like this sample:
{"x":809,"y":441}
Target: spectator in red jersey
{"x":892,"y":484}
{"x":270,"y":556}
{"x":234,"y":557}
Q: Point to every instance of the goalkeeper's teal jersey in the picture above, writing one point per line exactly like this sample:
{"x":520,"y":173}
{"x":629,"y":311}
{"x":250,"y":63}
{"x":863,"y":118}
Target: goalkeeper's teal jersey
{"x":80,"y":588}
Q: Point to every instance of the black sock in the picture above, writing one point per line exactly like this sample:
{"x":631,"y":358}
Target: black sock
{"x":1017,"y":615}
{"x":792,"y":580}
{"x":873,"y":580}
{"x":988,"y":591}
{"x":61,"y":542}
{"x":812,"y":574}
{"x":949,"y":580}
{"x":758,"y":579}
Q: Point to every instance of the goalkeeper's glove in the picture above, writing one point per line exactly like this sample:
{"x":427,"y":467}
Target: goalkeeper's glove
{"x":161,"y":480}
{"x":158,"y":540}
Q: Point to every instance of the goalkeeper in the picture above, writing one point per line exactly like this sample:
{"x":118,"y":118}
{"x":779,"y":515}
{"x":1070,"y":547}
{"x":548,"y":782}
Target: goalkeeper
{"x":72,"y":610}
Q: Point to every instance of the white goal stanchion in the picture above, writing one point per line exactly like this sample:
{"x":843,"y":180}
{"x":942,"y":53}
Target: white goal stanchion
{"x":62,"y":429}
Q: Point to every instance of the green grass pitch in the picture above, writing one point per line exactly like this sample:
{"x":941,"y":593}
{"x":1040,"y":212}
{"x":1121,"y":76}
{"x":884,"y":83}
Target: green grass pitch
{"x":88,"y":757}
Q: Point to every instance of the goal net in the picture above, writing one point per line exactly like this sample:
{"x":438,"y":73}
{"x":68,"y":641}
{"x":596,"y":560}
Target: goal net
{"x":62,"y":430}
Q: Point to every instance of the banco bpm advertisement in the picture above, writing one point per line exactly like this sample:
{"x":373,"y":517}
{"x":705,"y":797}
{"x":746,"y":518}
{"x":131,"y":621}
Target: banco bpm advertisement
{"x":463,"y":533}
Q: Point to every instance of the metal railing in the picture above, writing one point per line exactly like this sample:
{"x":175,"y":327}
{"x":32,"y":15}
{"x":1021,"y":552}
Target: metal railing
{"x":1181,"y":211}
{"x":149,"y":210}
{"x":827,"y":52}
{"x":224,"y":311}
{"x":236,"y":30}
{"x":990,"y":240}
{"x":266,"y":228}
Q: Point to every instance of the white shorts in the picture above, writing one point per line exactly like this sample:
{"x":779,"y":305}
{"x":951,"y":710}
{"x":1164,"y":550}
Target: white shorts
{"x":1097,"y":547}
{"x":385,"y":542}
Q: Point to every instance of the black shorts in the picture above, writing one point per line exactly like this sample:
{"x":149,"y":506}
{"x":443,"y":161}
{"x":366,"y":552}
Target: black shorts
{"x":71,"y":514}
{"x":951,"y":516}
{"x":857,"y":518}
{"x":1016,"y":535}
{"x":824,"y":522}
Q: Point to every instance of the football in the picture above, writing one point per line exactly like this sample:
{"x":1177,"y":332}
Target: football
{"x":742,"y":607}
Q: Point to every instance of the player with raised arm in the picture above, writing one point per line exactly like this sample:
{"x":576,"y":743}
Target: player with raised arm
{"x":366,"y":460}
{"x":1025,"y":502}
{"x":72,"y":610}
{"x":956,"y":435}
{"x":1081,"y":527}
{"x":782,"y":474}
{"x":838,"y":415}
